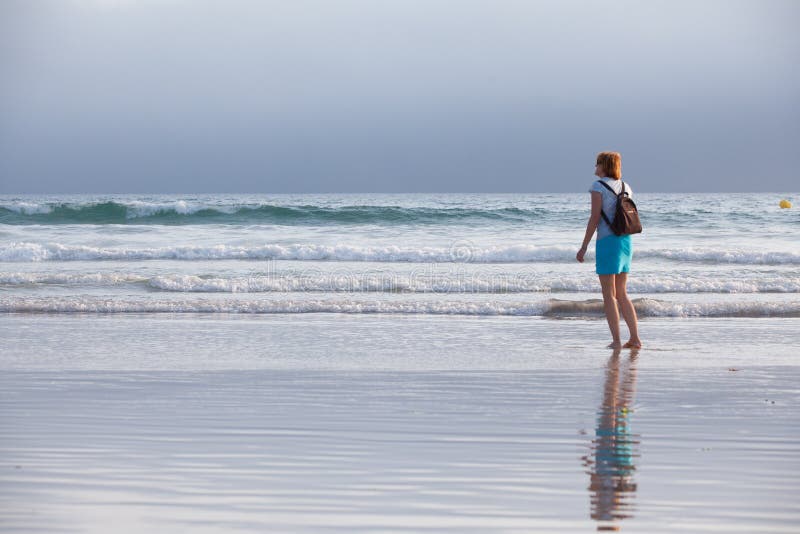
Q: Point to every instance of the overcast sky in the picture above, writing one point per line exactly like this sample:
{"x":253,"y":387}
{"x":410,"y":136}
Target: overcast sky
{"x":115,"y":96}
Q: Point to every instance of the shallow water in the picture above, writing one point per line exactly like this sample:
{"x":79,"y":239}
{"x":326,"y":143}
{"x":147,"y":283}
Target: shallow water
{"x":282,"y":423}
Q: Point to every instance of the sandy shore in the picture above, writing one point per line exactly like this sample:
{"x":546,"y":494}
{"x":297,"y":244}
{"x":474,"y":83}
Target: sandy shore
{"x":396,"y":424}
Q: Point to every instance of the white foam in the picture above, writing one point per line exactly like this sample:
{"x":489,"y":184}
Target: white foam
{"x":26,"y":208}
{"x":15,"y":279}
{"x":647,"y":307}
{"x":458,"y":252}
{"x":139,"y":208}
{"x":390,"y":282}
{"x":741,"y":256}
{"x":356,"y":282}
{"x":685,"y":284}
{"x":656,"y":308}
{"x":134,"y":208}
{"x":97,"y":305}
{"x":553,"y":307}
{"x":462,"y":283}
{"x":32,"y":252}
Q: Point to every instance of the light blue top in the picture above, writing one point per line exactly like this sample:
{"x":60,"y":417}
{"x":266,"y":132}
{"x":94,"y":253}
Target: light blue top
{"x":609,"y":202}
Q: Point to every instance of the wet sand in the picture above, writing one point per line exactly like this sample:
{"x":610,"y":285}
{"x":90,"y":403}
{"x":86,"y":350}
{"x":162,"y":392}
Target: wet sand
{"x":396,"y":424}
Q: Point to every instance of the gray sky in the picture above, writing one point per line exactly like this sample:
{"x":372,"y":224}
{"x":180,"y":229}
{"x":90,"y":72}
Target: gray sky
{"x":396,"y":95}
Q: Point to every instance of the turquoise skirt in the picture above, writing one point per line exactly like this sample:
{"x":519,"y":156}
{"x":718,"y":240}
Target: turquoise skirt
{"x":613,"y":254}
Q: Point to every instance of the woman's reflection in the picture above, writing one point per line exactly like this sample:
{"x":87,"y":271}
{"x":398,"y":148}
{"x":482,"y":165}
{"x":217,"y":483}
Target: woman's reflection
{"x":611,"y":460}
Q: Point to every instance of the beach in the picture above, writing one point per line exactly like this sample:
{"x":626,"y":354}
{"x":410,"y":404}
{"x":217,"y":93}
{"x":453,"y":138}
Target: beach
{"x":325,"y":422}
{"x":393,"y":363}
{"x":332,"y":267}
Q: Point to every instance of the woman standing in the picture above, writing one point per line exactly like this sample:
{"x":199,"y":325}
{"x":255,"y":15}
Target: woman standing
{"x":612,"y":252}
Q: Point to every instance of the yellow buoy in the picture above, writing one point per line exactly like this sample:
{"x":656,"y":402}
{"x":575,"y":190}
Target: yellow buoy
{"x":785,"y":204}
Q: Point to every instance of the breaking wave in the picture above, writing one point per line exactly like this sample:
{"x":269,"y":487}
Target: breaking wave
{"x":459,"y":252}
{"x":388,"y":282}
{"x":545,"y":308}
{"x":191,"y":212}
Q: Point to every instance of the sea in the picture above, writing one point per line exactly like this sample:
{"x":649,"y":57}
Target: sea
{"x":394,"y":363}
{"x":703,"y":255}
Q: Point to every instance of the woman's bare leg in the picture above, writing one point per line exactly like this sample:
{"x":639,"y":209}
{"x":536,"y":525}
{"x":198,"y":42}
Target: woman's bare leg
{"x":628,"y":311}
{"x":610,"y":307}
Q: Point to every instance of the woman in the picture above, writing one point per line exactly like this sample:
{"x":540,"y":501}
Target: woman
{"x":612,"y":252}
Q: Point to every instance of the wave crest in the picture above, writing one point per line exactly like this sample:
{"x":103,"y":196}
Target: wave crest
{"x":546,"y":308}
{"x":392,"y":282}
{"x":191,"y":212}
{"x":519,"y":253}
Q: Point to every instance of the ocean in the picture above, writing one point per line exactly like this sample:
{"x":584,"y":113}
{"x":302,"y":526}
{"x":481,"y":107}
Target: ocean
{"x":707,"y":255}
{"x":394,"y":363}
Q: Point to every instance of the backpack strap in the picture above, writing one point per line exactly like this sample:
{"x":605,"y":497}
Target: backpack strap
{"x":602,"y":213}
{"x":623,"y":192}
{"x":601,"y":182}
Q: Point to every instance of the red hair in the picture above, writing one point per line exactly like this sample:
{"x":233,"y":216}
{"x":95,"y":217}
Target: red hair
{"x":611,"y":164}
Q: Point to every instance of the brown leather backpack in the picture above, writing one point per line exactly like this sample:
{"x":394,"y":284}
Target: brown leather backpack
{"x":626,"y":217}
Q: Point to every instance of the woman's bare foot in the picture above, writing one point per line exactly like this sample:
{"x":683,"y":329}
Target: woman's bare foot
{"x":614,"y":345}
{"x":633,"y":344}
